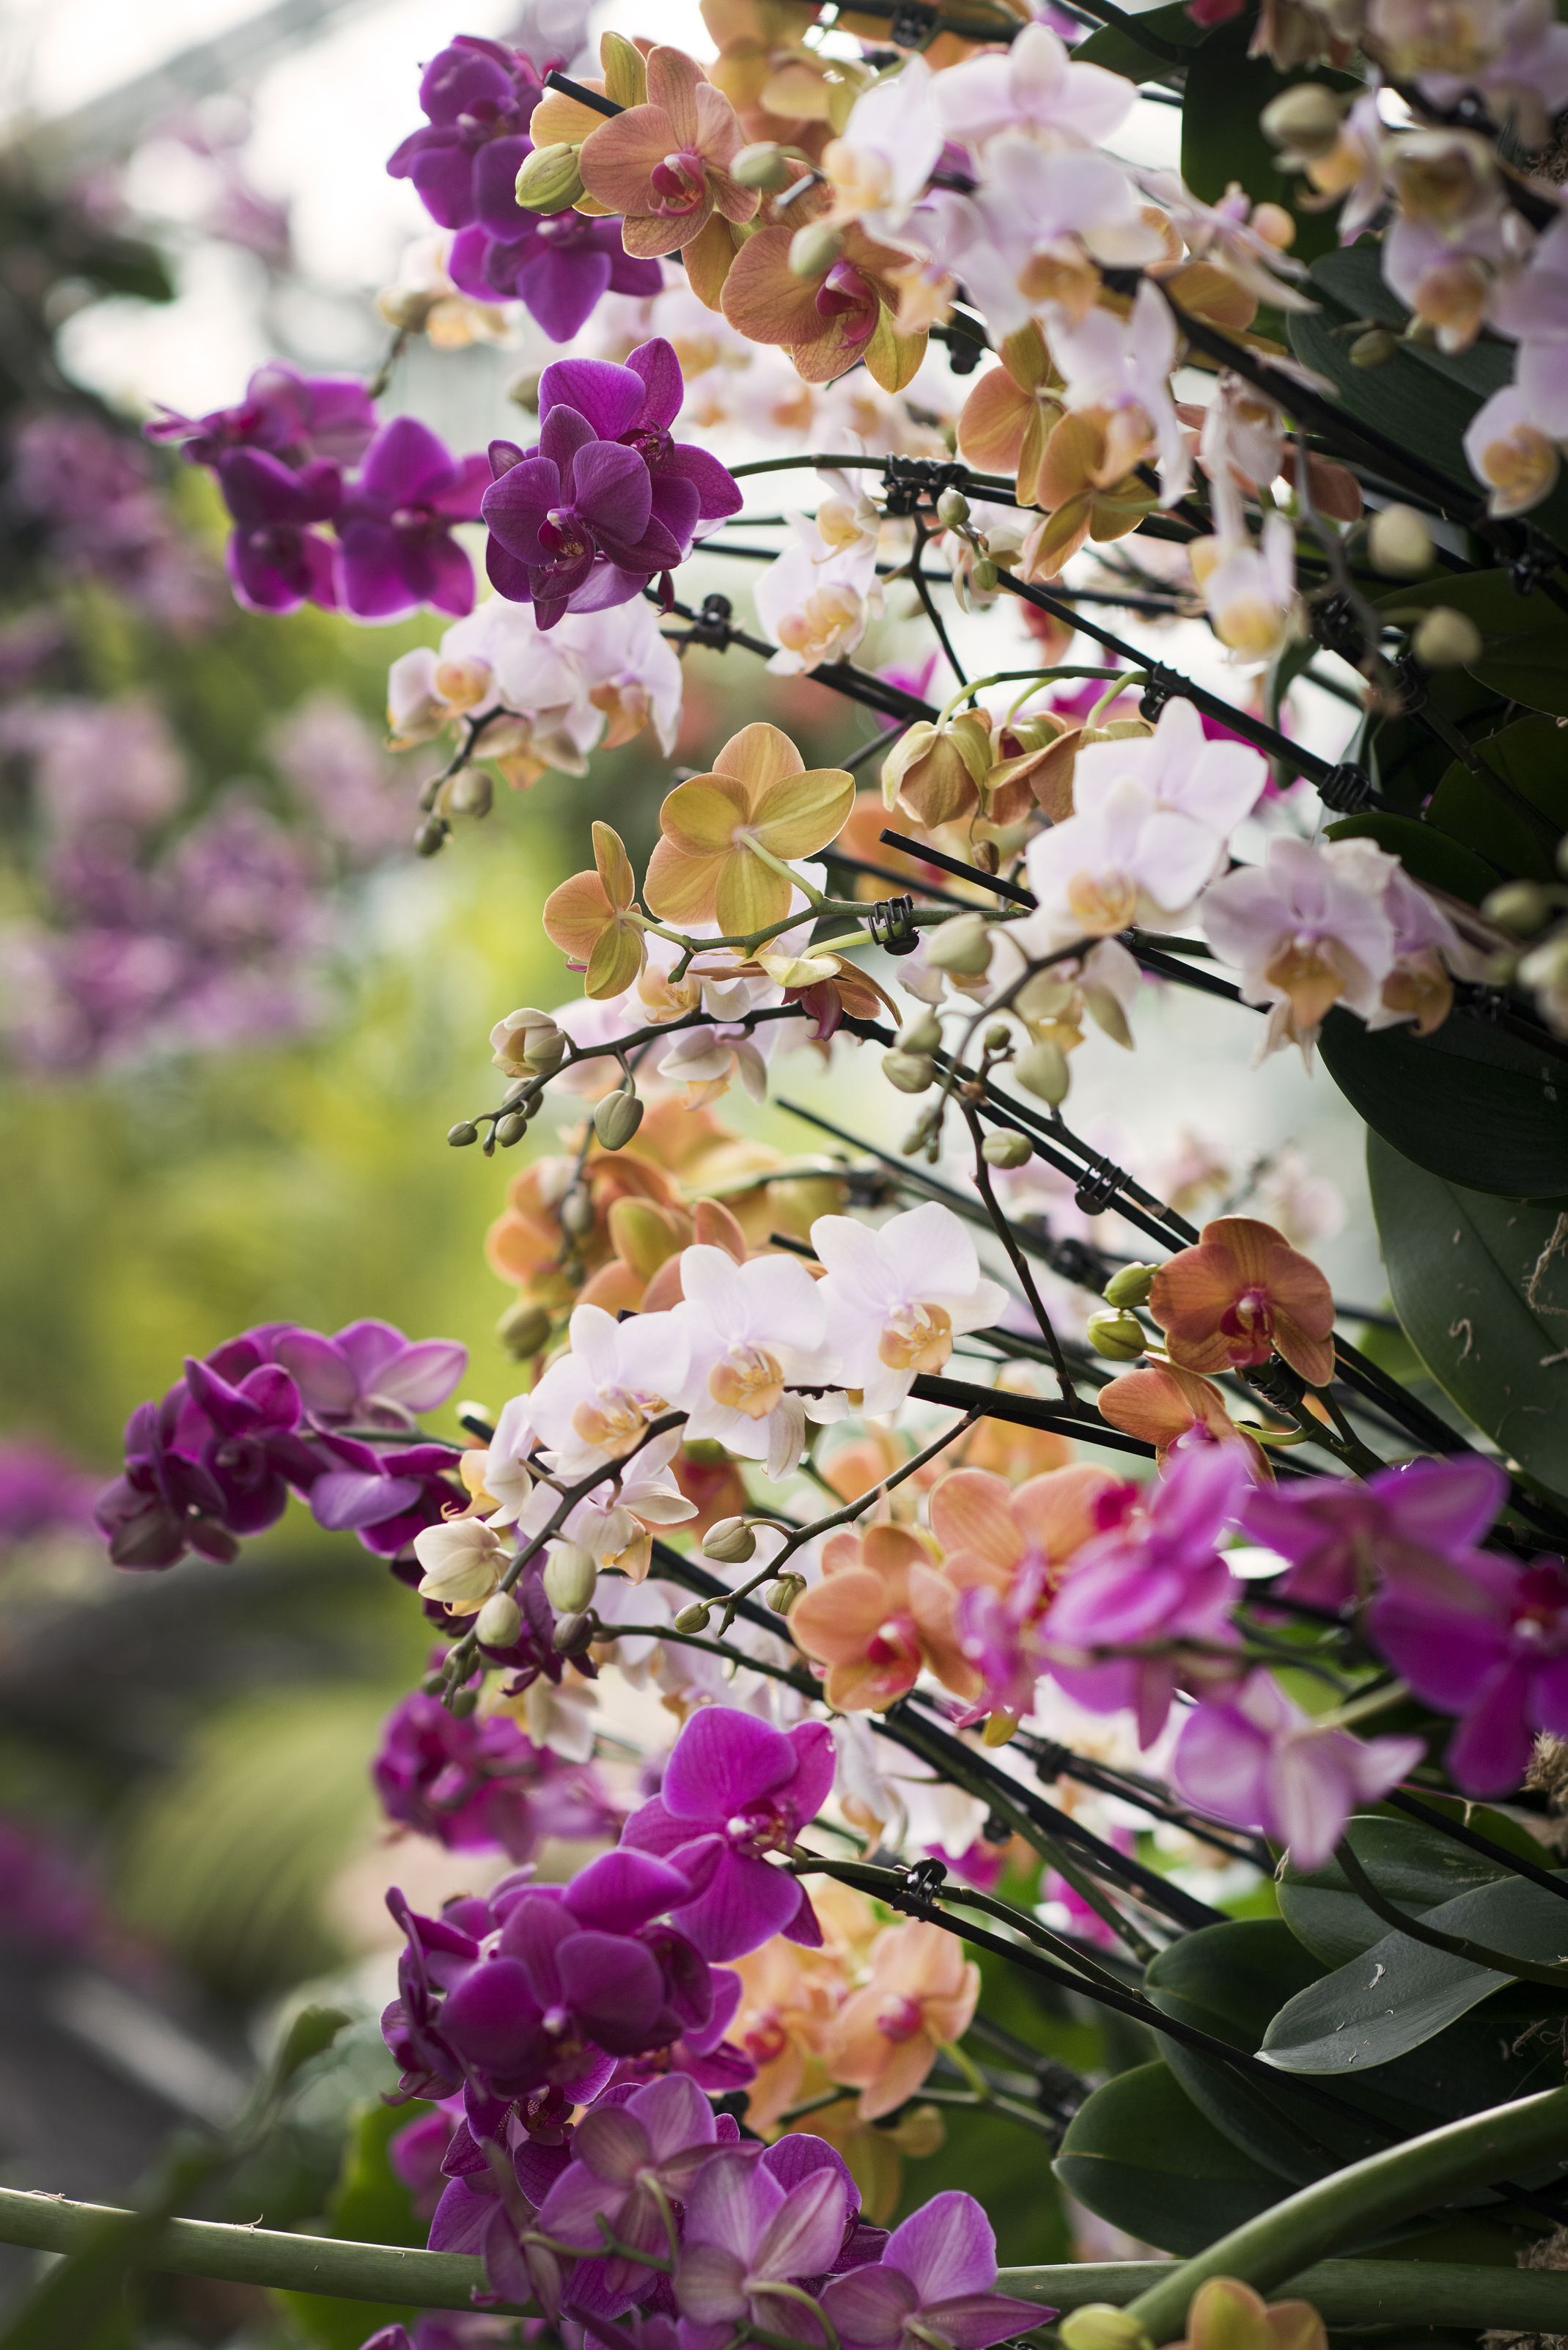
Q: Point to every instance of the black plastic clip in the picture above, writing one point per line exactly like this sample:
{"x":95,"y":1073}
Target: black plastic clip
{"x":906,"y":480}
{"x":1346,"y":789}
{"x":1098,"y":1186}
{"x":1160,"y":688}
{"x":1277,"y":1384}
{"x":1536,"y":561}
{"x":714,"y":624}
{"x":891,"y":922}
{"x":1410,"y":685}
{"x":924,"y":1880}
{"x":912,"y":24}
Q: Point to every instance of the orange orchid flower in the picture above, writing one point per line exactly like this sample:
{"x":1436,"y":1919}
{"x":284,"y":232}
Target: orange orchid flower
{"x":922,"y":1996}
{"x":590,"y":918}
{"x":664,"y":166}
{"x":1007,"y":418}
{"x":828,"y":322}
{"x":1163,"y":1404}
{"x":760,"y":796}
{"x":788,"y":2015}
{"x":988,"y":1528}
{"x":881,"y":1613}
{"x":1241,"y":1296}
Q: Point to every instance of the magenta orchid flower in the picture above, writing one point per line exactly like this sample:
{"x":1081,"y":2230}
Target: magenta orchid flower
{"x":292,"y":417}
{"x":367,"y":1375}
{"x":735,"y":1790}
{"x":1486,"y":1640}
{"x":936,"y":2283}
{"x":276,"y":560}
{"x":476,"y":1783}
{"x":394,"y":527}
{"x":557,"y":265}
{"x":1338,"y":1536}
{"x":1152,"y":1584}
{"x":746,"y":2235}
{"x":629,"y":2162}
{"x":1258,"y":1761}
{"x":253,"y":1454}
{"x":477,"y":96}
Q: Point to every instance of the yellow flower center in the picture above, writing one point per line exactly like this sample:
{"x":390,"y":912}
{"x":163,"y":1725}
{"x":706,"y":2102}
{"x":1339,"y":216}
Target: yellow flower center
{"x":614,"y":1422}
{"x":748,"y":1380}
{"x":1102,"y":902}
{"x":919,"y":1339}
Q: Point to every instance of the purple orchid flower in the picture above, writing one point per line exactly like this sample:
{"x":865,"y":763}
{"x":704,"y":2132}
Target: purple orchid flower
{"x":1487,"y":1639}
{"x":746,"y":2234}
{"x":292,"y":417}
{"x":733,"y":1790}
{"x":369,"y":1375}
{"x":1152,"y":1583}
{"x":636,"y":405}
{"x":1255,"y":1758}
{"x":275,"y":560}
{"x":385,"y":1498}
{"x":630,"y":2161}
{"x":935,"y":2283}
{"x":166,"y":1503}
{"x":475,"y":92}
{"x":394,"y":525}
{"x":559,"y":265}
{"x":1339,"y":1537}
{"x":254,"y":1454}
{"x":475,"y":1784}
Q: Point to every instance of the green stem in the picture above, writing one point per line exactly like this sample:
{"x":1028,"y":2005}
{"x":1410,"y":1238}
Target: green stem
{"x":1357,"y":2202}
{"x":1457,"y":1946}
{"x":1346,"y":2293}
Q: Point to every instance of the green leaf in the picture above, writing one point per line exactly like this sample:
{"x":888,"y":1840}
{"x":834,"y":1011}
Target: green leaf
{"x":1353,"y":276}
{"x":311,"y":2032}
{"x":1471,"y":1105}
{"x":370,"y":2205}
{"x":1516,"y":822}
{"x":1484,"y":1300}
{"x":1418,"y":1867}
{"x":1531,"y":668}
{"x":1141,"y":2155}
{"x":1221,"y":142}
{"x":1426,"y":852}
{"x":1118,"y":49}
{"x":1400,"y":1994}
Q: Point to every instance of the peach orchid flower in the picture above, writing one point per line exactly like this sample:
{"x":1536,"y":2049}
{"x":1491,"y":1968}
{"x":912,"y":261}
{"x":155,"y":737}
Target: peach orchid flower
{"x":922,"y":1996}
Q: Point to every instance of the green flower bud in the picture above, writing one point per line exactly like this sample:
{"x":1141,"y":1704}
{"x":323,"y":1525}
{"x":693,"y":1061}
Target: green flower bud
{"x":433,"y":1683}
{"x":923,"y":1134}
{"x":923,"y":1033}
{"x":465,"y":1700}
{"x":569,"y":1578}
{"x":1547,"y":965}
{"x":1446,"y":639}
{"x":616,"y":1119}
{"x":961,"y":945}
{"x":912,"y":1073}
{"x":782,"y":1593}
{"x":550,"y":180}
{"x":523,"y":390}
{"x":1130,"y":1286}
{"x":510,"y":1129}
{"x":1119,"y":1337}
{"x":577,"y":1212}
{"x":1306,"y":118}
{"x":998,"y":1036}
{"x":1042,"y":1071}
{"x":431,"y":838}
{"x":764,"y":166}
{"x":572,"y":1634}
{"x":813,"y":249}
{"x":983,"y":575}
{"x":1004,"y":1149}
{"x":693,"y":1618}
{"x":1399,"y":543}
{"x":730,"y":1542}
{"x":1375,"y":347}
{"x":1099,"y":2326}
{"x":523,"y":1330}
{"x":544,"y":1049}
{"x":499,"y":1621}
{"x":1519,"y":906}
{"x":952,"y":509}
{"x":470,"y":793}
{"x":461,"y":1134}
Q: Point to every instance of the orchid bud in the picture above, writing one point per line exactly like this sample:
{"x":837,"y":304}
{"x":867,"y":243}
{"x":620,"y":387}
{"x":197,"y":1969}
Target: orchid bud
{"x":762,"y":165}
{"x":510,"y":1129}
{"x":912,"y":1073}
{"x":961,"y":945}
{"x":1119,"y":1337}
{"x":1099,"y":2326}
{"x":921,"y":1034}
{"x":693,"y":1618}
{"x":1519,"y":906}
{"x":1130,"y":1286}
{"x":523,"y":1330}
{"x":998,"y":1728}
{"x":569,"y":1576}
{"x":523,"y":390}
{"x":1547,"y":965}
{"x":573,"y":1634}
{"x":616,"y":1119}
{"x":550,"y":180}
{"x":813,"y":250}
{"x":544,"y":1050}
{"x":730,"y":1542}
{"x":1306,"y":118}
{"x":431,"y":838}
{"x":499,"y":1621}
{"x":1007,"y":1149}
{"x":470,"y":793}
{"x":1042,"y":1071}
{"x":984,"y":574}
{"x":463,"y":1700}
{"x":577,"y":1212}
{"x":1447,"y":638}
{"x":461,"y":1134}
{"x":783,"y":1592}
{"x":1399,"y":543}
{"x":952,"y":509}
{"x":998,"y":1036}
{"x":1375,"y":347}
{"x":434,"y":1682}
{"x":923,"y":1134}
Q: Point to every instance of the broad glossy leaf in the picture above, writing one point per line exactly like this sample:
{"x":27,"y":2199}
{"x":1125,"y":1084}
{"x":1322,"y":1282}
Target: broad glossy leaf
{"x":1118,"y":49}
{"x":1425,"y":852}
{"x":1400,"y":1993}
{"x":1517,"y":820}
{"x":1141,"y":2155}
{"x":1221,"y":138}
{"x":1418,"y":1867}
{"x":1531,"y":668}
{"x":1352,"y":276}
{"x":1469,"y":1104}
{"x":1461,"y":1264}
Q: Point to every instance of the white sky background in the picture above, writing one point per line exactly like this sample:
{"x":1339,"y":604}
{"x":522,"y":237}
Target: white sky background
{"x":326,"y":119}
